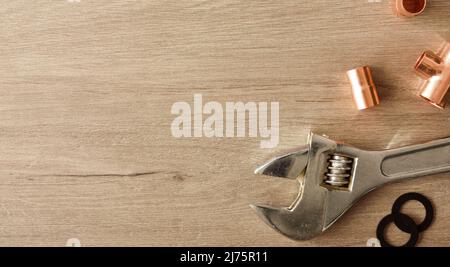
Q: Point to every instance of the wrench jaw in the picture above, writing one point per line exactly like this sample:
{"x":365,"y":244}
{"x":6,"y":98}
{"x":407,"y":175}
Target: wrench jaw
{"x":290,"y":166}
{"x":295,"y":224}
{"x":305,"y":218}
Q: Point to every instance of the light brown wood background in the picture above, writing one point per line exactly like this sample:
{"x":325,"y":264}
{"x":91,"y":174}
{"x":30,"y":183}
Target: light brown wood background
{"x":85,"y":95}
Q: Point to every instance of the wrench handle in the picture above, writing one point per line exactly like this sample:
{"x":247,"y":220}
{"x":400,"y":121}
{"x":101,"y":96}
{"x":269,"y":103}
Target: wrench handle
{"x":415,"y":161}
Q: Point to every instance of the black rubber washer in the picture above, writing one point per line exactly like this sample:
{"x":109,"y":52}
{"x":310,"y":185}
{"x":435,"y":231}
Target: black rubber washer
{"x":406,"y":220}
{"x":429,"y":215}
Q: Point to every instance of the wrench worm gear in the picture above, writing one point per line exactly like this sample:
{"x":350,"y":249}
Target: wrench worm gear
{"x":339,"y":170}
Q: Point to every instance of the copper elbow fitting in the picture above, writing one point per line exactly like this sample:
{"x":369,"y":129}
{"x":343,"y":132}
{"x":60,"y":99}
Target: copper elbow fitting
{"x":435,"y":69}
{"x":408,"y":8}
{"x":364,"y":92}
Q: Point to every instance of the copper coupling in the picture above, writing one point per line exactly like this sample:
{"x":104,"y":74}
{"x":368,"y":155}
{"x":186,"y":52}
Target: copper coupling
{"x":408,"y":8}
{"x":364,"y":91}
{"x":435,"y":69}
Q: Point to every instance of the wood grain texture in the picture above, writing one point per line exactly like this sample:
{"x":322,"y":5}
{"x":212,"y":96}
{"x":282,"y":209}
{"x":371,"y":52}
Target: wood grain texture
{"x":86,"y":90}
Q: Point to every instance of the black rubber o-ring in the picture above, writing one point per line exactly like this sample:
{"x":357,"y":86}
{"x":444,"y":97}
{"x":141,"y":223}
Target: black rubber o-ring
{"x":396,"y":207}
{"x":406,"y":220}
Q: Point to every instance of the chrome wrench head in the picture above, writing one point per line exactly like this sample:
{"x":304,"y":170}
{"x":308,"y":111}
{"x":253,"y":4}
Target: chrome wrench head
{"x":334,"y":176}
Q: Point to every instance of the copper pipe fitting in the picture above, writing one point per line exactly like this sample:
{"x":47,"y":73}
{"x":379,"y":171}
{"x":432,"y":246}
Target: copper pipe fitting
{"x":363,"y":88}
{"x":408,"y":8}
{"x":435,"y":69}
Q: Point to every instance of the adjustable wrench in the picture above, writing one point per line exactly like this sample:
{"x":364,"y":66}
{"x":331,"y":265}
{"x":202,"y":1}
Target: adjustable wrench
{"x":334,"y":176}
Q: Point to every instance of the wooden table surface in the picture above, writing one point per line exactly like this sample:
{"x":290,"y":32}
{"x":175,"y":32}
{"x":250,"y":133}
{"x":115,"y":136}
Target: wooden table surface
{"x":86,"y":89}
